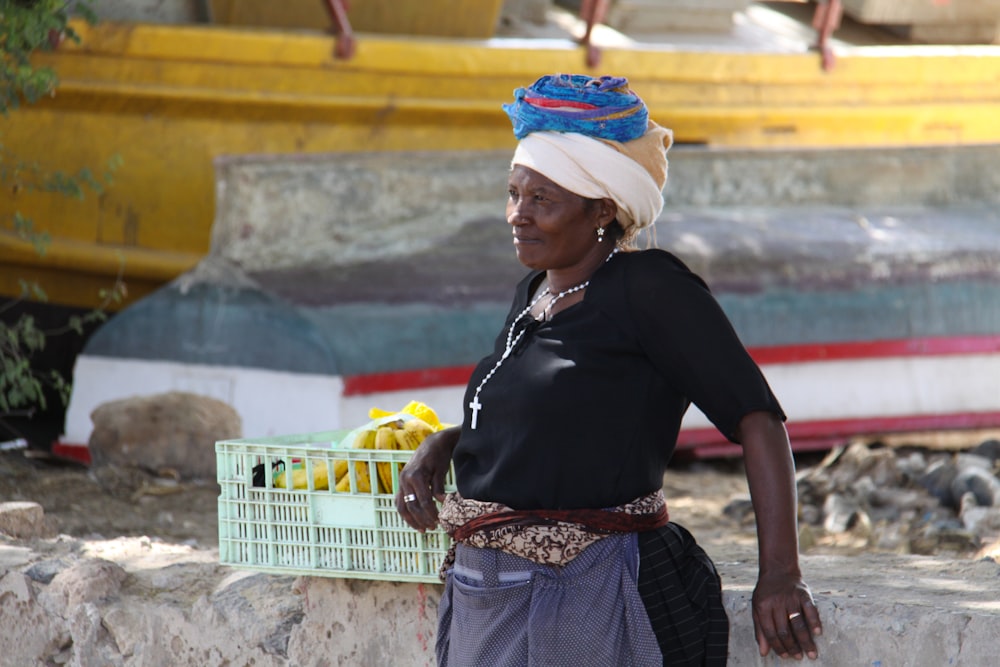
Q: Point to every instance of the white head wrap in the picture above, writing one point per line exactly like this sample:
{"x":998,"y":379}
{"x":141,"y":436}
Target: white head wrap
{"x":596,"y":169}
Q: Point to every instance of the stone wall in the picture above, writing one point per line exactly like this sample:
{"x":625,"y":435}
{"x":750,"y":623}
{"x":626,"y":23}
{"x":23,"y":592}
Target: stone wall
{"x":136,"y":602}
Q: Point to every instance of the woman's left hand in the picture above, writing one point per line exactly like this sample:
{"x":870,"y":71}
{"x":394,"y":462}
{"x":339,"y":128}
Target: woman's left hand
{"x":421,"y":481}
{"x":785,"y":617}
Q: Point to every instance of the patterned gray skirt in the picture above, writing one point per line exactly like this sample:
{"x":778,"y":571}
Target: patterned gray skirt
{"x":501,"y":610}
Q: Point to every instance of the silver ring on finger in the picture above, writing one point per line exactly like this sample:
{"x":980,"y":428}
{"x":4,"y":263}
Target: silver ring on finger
{"x":793,"y":616}
{"x":409,"y":498}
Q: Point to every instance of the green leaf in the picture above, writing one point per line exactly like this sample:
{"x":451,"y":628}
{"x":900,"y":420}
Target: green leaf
{"x":62,"y":387}
{"x":25,"y":28}
{"x":15,"y":397}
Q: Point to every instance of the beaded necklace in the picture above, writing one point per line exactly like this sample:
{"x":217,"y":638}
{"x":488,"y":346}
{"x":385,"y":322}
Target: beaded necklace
{"x":513,"y":340}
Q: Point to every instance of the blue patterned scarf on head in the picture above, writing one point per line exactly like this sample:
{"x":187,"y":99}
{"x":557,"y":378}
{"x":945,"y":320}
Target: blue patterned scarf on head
{"x":603,"y":108}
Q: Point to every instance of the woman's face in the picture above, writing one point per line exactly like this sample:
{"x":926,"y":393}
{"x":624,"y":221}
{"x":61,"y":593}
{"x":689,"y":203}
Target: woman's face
{"x":553,"y":228}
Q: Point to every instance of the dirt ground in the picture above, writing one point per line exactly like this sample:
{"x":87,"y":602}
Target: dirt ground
{"x":165,"y":510}
{"x":78,"y":506}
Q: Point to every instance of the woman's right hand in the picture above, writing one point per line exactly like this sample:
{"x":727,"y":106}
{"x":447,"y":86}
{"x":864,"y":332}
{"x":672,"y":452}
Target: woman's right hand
{"x":421,"y":482}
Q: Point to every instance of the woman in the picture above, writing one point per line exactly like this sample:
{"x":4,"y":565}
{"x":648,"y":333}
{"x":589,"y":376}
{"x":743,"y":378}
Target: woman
{"x":563,"y":550}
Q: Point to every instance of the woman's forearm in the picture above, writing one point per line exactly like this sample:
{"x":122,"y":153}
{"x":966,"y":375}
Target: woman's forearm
{"x":770,"y":474}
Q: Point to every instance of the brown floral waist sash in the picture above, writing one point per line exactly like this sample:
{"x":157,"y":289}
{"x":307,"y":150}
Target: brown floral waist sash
{"x":547,"y":537}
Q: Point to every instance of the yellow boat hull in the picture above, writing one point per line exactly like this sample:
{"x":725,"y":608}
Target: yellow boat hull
{"x":170,"y":99}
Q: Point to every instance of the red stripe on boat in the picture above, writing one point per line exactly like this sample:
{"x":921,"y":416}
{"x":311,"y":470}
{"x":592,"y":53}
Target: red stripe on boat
{"x":904,"y":347}
{"x":356,"y":385}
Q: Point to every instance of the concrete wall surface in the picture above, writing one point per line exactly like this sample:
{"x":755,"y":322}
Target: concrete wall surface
{"x":118,"y":604}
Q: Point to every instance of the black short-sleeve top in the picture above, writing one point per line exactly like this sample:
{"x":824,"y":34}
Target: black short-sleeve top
{"x":586,"y":411}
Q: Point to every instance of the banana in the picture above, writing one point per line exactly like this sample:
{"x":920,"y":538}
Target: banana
{"x":414,"y":432}
{"x":384,"y":439}
{"x":398,"y":434}
{"x":298,"y":479}
{"x":321,"y":476}
{"x":419,"y":427}
{"x":405,"y":439}
{"x":339,"y":469}
{"x":321,"y":480}
{"x":364,"y":481}
{"x":364,"y":440}
{"x":343,"y":484}
{"x":361,"y":468}
{"x":415,"y":408}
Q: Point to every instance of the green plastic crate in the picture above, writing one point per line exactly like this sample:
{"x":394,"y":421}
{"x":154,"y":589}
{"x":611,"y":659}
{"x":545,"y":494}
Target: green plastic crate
{"x":317,"y":532}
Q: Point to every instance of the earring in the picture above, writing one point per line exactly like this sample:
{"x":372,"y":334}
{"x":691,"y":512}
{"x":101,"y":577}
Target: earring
{"x":600,"y":234}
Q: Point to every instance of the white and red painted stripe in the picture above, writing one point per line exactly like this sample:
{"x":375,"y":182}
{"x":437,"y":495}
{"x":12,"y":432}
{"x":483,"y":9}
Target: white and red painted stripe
{"x":831,"y":391}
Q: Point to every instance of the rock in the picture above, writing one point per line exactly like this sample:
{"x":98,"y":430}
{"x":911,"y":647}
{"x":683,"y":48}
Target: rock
{"x":23,"y":520}
{"x":813,"y":487}
{"x":867,"y":491}
{"x":262,"y":596}
{"x":966,"y":460}
{"x":30,"y":634}
{"x":739,"y":509}
{"x":810,"y":514}
{"x":174,"y":431}
{"x":885,"y":513}
{"x":988,"y":449}
{"x":863,"y":489}
{"x":937,"y":480}
{"x":859,"y":460}
{"x":977,"y":518}
{"x":892,"y":504}
{"x":247,"y":621}
{"x":45,"y":571}
{"x":328,"y":627}
{"x":840,"y":513}
{"x":942,"y":536}
{"x":88,"y":581}
{"x":92,"y":645}
{"x":862,"y":526}
{"x":981,"y":483}
{"x":912,"y":466}
{"x":16,"y":585}
{"x":13,"y":555}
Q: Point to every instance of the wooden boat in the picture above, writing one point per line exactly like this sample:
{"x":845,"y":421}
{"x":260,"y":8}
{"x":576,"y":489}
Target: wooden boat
{"x":869,"y":316}
{"x":181,"y":103}
{"x":168,"y":98}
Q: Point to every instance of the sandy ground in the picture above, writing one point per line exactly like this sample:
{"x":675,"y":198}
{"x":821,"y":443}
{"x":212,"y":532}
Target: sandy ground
{"x":77,"y":506}
{"x":187,"y":514}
